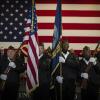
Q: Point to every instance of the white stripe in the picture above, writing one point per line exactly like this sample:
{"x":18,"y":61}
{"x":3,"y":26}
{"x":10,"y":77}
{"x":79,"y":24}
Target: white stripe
{"x":35,"y":44}
{"x":26,"y":37}
{"x":32,"y":57}
{"x":49,"y":32}
{"x":51,"y":19}
{"x":31,"y":77}
{"x":69,"y":7}
{"x":7,"y":44}
{"x":76,"y":46}
{"x":27,"y":29}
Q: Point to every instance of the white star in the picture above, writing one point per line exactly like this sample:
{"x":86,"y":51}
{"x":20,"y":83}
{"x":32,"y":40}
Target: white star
{"x":26,"y":10}
{"x":15,"y":37}
{"x":11,"y":14}
{"x":6,"y":28}
{"x":1,"y":32}
{"x":12,"y":6}
{"x":10,"y":32}
{"x":2,"y":14}
{"x":15,"y":28}
{"x":20,"y":24}
{"x":7,"y":1}
{"x":1,"y":23}
{"x":6,"y":19}
{"x":21,"y":14}
{"x":16,"y":19}
{"x":7,"y":10}
{"x":26,"y":2}
{"x":3,"y":6}
{"x":25,"y":19}
{"x":5,"y":37}
{"x":17,"y":1}
{"x":21,"y":6}
{"x":10,"y":23}
{"x":20,"y":32}
{"x":16,"y":10}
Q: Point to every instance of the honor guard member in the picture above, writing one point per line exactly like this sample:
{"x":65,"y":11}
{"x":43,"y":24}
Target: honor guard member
{"x":10,"y":72}
{"x":42,"y":92}
{"x":90,"y":75}
{"x":70,"y":72}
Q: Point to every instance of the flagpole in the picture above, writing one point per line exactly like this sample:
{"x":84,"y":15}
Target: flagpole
{"x":61,"y":70}
{"x":61,"y":97}
{"x":32,"y":15}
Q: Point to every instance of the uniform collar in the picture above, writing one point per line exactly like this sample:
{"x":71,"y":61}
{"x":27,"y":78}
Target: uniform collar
{"x":40,"y":56}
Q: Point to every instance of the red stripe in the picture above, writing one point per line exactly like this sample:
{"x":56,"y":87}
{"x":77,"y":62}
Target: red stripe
{"x":33,"y":50}
{"x":73,"y":39}
{"x":32,"y":68}
{"x":69,"y":13}
{"x":71,"y":26}
{"x":29,"y":83}
{"x":69,"y":1}
{"x":27,"y":33}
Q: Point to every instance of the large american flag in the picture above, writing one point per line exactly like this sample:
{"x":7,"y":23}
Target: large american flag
{"x":81,"y":22}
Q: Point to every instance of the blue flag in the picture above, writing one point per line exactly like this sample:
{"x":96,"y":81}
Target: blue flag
{"x":56,"y":37}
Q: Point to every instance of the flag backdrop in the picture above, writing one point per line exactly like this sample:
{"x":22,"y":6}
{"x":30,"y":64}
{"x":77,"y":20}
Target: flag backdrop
{"x":81,"y":21}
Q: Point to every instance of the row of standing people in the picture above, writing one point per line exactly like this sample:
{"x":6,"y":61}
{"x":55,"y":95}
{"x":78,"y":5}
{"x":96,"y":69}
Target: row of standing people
{"x":84,"y":72}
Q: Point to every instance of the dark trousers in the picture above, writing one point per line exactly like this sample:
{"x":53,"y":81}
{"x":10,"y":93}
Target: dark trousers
{"x":10,"y":92}
{"x":68,"y":90}
{"x":41,"y":93}
{"x":91,"y":93}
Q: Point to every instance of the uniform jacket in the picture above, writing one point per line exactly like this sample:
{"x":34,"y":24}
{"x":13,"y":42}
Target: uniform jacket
{"x":94,"y":72}
{"x":14,"y":73}
{"x":44,"y":70}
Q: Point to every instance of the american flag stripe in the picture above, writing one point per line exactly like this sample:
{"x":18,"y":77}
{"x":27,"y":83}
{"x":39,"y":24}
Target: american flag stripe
{"x":70,"y":1}
{"x":94,"y":33}
{"x":84,"y":13}
{"x":73,"y":39}
{"x":92,"y":7}
{"x":72,"y":26}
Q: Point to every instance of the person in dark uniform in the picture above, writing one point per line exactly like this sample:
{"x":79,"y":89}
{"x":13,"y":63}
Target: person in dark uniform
{"x":11,"y":67}
{"x":70,"y":72}
{"x":90,"y":75}
{"x":42,"y":92}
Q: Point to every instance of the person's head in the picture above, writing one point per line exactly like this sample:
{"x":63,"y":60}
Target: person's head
{"x":11,"y":52}
{"x":86,"y":52}
{"x":41,"y":48}
{"x":65,"y":45}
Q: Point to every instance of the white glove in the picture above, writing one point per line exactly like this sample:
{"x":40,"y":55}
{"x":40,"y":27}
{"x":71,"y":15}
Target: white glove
{"x":3,"y":76}
{"x":59,"y":79}
{"x":12,"y":64}
{"x":61,"y":59}
{"x":84,"y":75}
{"x":93,"y":60}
